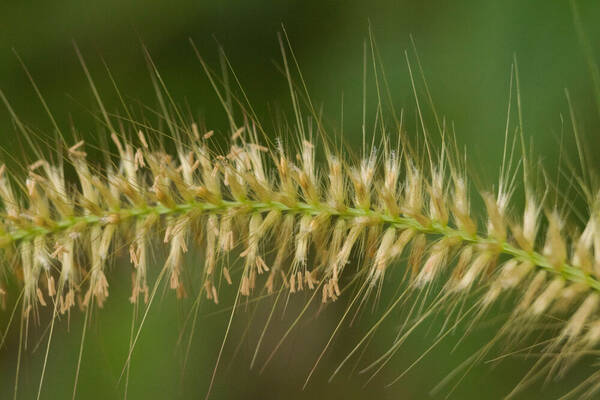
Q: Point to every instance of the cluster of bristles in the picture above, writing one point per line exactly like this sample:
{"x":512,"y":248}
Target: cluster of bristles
{"x":313,"y":220}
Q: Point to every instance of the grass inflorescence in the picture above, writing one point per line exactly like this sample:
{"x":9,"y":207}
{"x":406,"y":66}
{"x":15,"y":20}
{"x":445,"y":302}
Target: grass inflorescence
{"x":297,"y":223}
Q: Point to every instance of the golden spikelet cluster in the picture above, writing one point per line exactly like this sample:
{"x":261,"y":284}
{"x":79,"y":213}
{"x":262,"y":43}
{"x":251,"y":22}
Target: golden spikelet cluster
{"x":296,"y":223}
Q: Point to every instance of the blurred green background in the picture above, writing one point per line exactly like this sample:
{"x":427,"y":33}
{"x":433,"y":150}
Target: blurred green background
{"x":466,"y":49}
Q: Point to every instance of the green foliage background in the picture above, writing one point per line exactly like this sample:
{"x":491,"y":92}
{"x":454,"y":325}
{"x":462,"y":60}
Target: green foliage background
{"x":466,"y":49}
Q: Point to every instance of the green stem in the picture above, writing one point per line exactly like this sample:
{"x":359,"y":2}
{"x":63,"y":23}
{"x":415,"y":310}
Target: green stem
{"x":568,"y":272}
